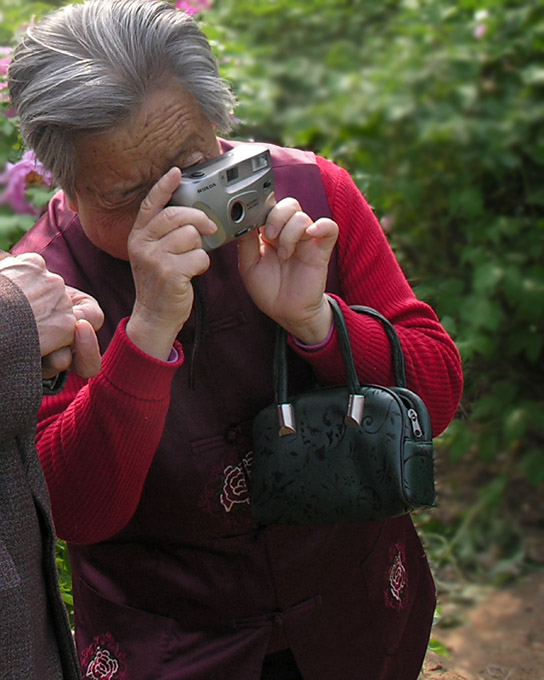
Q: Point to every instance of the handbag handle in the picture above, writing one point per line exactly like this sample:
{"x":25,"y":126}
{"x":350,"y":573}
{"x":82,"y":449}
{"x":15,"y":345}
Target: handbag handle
{"x":356,"y":402}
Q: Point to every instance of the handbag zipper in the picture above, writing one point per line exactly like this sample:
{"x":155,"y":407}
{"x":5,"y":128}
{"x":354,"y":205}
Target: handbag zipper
{"x":416,"y":427}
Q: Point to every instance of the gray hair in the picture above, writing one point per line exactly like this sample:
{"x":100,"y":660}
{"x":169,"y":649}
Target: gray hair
{"x":86,"y":68}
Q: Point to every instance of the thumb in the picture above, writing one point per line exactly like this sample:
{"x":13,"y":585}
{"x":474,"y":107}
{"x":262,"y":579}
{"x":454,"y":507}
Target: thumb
{"x":86,"y":351}
{"x":249,"y":251}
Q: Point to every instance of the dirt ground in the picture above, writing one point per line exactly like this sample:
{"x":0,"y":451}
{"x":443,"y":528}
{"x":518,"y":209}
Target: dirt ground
{"x":500,"y":637}
{"x":492,"y":632}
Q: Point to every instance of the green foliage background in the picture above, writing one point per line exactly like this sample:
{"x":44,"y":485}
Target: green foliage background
{"x":436,"y":109}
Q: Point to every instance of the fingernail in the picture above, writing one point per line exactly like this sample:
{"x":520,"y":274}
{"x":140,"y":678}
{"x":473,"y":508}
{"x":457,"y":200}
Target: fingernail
{"x":213,"y":225}
{"x":84,"y":330}
{"x":171,"y":172}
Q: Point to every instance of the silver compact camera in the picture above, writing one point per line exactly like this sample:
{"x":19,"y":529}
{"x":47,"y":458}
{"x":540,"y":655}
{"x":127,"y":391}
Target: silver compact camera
{"x":235,"y":190}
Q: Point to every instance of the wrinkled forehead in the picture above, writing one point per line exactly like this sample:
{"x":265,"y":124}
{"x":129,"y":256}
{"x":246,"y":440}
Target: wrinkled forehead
{"x":163,"y":116}
{"x":154,"y":138}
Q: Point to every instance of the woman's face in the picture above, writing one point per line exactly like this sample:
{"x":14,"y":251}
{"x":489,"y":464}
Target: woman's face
{"x":115,"y":170}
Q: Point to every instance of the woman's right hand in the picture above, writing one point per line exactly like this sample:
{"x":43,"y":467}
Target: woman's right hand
{"x":165,"y":252}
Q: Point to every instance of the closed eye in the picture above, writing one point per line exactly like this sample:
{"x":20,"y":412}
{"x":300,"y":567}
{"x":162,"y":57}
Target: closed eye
{"x":133,"y":191}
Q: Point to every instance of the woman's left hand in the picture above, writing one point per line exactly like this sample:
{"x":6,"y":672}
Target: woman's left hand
{"x":284,"y":267}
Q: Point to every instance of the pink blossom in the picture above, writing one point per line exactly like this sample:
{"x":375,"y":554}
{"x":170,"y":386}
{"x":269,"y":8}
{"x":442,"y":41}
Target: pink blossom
{"x":18,"y":178}
{"x":387,"y":223}
{"x":480,"y":31}
{"x":5,"y":60}
{"x":193,"y":6}
{"x":481,"y":17}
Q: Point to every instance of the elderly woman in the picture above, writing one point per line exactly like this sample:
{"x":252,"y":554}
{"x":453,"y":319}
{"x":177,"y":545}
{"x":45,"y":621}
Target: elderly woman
{"x":173,"y":578}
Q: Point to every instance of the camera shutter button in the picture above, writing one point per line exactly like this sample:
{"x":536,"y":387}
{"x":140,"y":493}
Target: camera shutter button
{"x":197,"y":173}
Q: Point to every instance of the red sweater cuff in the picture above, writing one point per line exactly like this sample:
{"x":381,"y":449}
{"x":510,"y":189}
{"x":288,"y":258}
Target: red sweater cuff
{"x":134,"y":372}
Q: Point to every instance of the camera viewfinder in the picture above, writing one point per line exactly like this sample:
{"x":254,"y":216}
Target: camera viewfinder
{"x":232,"y":174}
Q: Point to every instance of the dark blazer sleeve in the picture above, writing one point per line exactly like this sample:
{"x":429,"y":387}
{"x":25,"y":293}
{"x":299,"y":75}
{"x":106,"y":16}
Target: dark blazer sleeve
{"x":20,"y":361}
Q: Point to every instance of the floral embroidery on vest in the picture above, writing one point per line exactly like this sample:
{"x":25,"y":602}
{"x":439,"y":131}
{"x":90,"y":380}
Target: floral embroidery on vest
{"x":397,"y":587}
{"x":235,"y":489}
{"x":226,"y":493}
{"x":102,"y":660}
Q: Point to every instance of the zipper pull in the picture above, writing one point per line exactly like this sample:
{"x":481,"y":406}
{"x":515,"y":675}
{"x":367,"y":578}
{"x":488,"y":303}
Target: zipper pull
{"x":416,"y":427}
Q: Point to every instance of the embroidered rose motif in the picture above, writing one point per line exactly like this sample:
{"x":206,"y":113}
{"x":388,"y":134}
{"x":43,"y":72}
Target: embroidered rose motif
{"x":398,"y":580}
{"x":234,"y":487}
{"x":102,"y":660}
{"x":103,"y":666}
{"x":226,"y":495}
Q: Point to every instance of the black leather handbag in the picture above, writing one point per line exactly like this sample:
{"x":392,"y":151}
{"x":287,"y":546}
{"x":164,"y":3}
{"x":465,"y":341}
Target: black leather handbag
{"x":341,"y":454}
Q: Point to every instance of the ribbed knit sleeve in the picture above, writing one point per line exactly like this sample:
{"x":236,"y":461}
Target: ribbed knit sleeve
{"x":119,"y":415}
{"x":370,"y":275}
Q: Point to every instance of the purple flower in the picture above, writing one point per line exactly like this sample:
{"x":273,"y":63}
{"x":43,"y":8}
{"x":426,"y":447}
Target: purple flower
{"x":18,"y":178}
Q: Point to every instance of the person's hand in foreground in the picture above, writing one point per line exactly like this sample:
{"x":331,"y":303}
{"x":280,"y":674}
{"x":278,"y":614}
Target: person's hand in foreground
{"x":66,"y":317}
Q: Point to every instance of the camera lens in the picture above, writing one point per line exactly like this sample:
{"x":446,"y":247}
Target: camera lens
{"x":237,"y":211}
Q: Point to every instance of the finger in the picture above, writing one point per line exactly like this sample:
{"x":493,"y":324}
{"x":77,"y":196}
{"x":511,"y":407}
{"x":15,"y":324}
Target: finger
{"x":86,"y":358}
{"x":280,"y":214}
{"x":158,"y":197}
{"x":55,"y":362}
{"x":325,"y":231}
{"x":292,"y":233}
{"x":174,"y":217}
{"x":175,"y":268}
{"x":55,"y":331}
{"x":181,"y":239}
{"x":35,"y":259}
{"x":24,"y":265}
{"x":249,"y":251}
{"x":195,"y":263}
{"x":86,"y":307}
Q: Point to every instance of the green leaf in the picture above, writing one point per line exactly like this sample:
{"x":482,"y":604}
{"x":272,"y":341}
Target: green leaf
{"x":532,"y":465}
{"x":438,"y":647}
